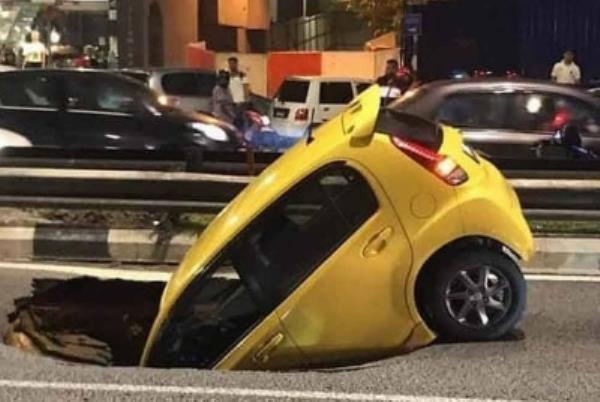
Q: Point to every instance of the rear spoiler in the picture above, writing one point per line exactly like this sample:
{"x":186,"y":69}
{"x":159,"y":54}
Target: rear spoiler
{"x":359,"y":119}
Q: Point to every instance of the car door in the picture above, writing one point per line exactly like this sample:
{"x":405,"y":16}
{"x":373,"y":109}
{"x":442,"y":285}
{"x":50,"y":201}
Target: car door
{"x":508,"y":124}
{"x":574,"y":111}
{"x":344,"y":260}
{"x":29,"y":110}
{"x":103,"y":113}
{"x":333,"y":97}
{"x":484,"y":119}
{"x":321,"y":269}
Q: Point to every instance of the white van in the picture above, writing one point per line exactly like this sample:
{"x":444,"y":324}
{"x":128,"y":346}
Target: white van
{"x":302,"y":100}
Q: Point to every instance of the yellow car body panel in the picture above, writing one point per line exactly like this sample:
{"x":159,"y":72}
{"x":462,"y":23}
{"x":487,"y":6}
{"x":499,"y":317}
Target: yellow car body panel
{"x":360,"y":302}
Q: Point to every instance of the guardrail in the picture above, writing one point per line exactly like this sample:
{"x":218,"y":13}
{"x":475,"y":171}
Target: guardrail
{"x":203,"y":192}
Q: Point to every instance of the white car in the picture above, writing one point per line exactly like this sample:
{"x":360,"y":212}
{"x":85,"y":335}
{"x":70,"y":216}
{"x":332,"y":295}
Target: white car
{"x":302,"y":101}
{"x":185,"y":88}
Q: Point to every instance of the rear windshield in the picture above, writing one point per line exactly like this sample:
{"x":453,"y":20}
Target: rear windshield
{"x":189,"y":84}
{"x":293,"y":91}
{"x":411,"y":128}
{"x":138,"y":76}
{"x":407,"y":102}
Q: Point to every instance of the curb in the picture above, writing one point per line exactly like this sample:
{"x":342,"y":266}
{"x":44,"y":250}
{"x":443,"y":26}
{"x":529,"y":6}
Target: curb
{"x":65,"y":243}
{"x":144,"y":246}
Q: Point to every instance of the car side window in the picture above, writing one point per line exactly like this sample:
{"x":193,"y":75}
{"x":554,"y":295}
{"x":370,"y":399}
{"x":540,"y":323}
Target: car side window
{"x":295,"y":235}
{"x":473,"y":110}
{"x":336,"y":93}
{"x":97,"y":94}
{"x":28,"y":91}
{"x":362,"y":87}
{"x":189,"y":84}
{"x":541,"y":112}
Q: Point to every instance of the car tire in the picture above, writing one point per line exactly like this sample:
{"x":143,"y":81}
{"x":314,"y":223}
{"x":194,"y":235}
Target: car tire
{"x":476,"y":295}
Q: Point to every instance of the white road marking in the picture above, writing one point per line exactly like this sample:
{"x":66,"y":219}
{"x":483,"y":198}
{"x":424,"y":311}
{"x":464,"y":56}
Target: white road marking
{"x":102,"y":273}
{"x":227,"y":392}
{"x":162,"y":276}
{"x":562,"y":278}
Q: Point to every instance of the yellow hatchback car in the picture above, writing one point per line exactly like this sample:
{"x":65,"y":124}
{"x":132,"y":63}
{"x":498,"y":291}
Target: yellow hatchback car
{"x":378,"y":233}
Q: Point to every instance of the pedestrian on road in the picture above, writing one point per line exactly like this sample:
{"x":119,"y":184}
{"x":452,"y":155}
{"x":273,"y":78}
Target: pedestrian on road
{"x":567,"y":71}
{"x":223,"y":106}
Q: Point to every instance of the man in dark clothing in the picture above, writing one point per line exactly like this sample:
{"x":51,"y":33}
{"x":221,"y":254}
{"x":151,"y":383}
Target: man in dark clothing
{"x":223,"y":106}
{"x":391,"y":73}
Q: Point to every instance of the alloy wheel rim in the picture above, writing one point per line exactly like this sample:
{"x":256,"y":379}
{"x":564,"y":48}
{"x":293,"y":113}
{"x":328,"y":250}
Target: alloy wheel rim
{"x":478,"y":298}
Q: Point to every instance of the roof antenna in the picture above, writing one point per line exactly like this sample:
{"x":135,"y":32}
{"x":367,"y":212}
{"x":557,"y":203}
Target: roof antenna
{"x":309,"y":133}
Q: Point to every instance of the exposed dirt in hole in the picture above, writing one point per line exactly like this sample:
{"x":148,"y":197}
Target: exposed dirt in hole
{"x":86,"y":320}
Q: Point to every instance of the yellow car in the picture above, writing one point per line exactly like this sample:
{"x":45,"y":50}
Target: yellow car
{"x":374,"y":235}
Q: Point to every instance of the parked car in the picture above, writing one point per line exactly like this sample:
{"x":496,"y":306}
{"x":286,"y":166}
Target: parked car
{"x":506,"y":117}
{"x":185,"y":88}
{"x":302,"y":101}
{"x":375,"y":235}
{"x":102,"y":111}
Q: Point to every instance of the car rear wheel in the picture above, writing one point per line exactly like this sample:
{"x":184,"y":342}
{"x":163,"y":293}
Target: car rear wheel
{"x":477,"y":295}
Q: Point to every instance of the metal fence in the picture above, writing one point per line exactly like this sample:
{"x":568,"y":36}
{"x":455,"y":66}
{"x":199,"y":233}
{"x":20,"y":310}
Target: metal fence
{"x":543,"y":198}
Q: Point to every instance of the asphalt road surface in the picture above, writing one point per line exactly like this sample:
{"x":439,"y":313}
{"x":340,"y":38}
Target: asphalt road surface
{"x":558,"y":359}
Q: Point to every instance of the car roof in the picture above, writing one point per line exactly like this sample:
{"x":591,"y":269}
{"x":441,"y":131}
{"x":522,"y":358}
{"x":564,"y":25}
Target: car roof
{"x":168,"y":70}
{"x":493,"y":84}
{"x":65,"y":71}
{"x":320,"y":78}
{"x":72,"y":71}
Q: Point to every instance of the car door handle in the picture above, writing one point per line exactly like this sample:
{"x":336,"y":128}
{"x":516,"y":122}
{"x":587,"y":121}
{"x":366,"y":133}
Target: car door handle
{"x":262,"y":356}
{"x":378,"y":243}
{"x":326,"y":109}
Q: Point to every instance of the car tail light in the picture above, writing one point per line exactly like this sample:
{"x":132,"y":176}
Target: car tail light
{"x":301,"y":115}
{"x":444,"y":167}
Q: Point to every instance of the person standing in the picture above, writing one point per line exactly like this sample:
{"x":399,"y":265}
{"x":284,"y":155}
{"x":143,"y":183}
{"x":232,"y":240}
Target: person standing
{"x":35,"y":52}
{"x":238,"y":82}
{"x":390,"y":77}
{"x":566,"y":71}
{"x":240,"y":91}
{"x":223,"y":106}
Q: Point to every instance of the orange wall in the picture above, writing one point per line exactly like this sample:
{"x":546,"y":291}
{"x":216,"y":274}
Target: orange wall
{"x":198,"y":57}
{"x":250,"y":14}
{"x":284,"y":64}
{"x":180,"y":26}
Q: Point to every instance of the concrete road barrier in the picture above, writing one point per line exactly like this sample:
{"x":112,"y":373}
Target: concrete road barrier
{"x":60,"y":243}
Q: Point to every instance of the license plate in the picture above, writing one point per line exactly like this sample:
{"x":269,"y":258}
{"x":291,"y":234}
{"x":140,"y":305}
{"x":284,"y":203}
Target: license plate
{"x":281,"y":113}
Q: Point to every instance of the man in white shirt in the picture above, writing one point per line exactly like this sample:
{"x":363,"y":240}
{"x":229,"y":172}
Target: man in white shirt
{"x":566,"y":71}
{"x":34,"y":52}
{"x":239,"y":89}
{"x":238,"y":82}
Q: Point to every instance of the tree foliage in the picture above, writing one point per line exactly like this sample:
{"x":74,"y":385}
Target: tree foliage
{"x":382,"y":16}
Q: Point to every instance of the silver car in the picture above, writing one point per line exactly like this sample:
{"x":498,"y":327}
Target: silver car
{"x":184,"y":88}
{"x":507,"y":117}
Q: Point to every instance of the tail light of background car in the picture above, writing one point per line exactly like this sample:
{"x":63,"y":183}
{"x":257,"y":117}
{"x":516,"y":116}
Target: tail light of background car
{"x":444,"y":167}
{"x":301,"y":115}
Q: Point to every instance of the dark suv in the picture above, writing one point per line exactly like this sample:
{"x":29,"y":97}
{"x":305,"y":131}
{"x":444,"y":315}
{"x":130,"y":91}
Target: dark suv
{"x":99,"y":111}
{"x":506,"y":117}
